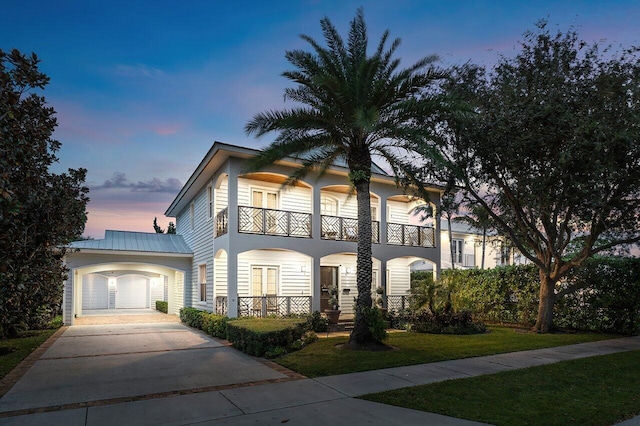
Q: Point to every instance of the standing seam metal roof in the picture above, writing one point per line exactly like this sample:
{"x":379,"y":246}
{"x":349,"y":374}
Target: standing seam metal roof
{"x":136,"y":241}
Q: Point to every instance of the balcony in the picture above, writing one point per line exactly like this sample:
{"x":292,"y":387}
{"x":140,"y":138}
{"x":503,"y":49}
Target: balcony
{"x":254,"y":220}
{"x":346,"y":229}
{"x":410,"y":235}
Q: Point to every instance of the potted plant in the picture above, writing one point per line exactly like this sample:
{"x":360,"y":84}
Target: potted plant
{"x":334,"y":313}
{"x":380,"y":301}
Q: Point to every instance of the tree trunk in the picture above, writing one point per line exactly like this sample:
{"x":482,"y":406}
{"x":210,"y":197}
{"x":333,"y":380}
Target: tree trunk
{"x":361,"y":335}
{"x":544,"y":323}
{"x":453,"y":260}
{"x":484,"y":245}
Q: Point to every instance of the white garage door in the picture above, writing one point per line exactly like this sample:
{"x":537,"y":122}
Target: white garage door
{"x":132,"y":291}
{"x":95,"y":292}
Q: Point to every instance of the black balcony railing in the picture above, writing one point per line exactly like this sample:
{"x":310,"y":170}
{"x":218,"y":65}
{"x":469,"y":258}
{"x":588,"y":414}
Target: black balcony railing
{"x":255,"y":220}
{"x":410,"y":235}
{"x":279,"y":306}
{"x":346,"y":229}
{"x":222,"y":222}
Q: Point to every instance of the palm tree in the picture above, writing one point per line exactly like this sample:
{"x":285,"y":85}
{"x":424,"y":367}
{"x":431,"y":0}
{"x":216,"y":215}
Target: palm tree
{"x":351,"y":107}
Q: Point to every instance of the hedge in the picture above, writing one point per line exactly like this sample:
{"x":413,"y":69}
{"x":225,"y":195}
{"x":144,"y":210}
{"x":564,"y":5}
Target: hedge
{"x":256,"y":336}
{"x":162,"y":306}
{"x":609,"y":301}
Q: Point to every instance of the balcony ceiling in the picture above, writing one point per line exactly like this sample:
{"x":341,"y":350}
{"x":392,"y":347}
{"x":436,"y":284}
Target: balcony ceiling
{"x":272,"y":178}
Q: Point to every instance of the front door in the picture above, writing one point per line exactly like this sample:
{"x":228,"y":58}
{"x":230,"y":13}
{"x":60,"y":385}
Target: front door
{"x":328,"y":279}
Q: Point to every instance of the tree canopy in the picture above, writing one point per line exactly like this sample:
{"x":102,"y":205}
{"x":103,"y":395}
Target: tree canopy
{"x":552,"y":151}
{"x":40,"y":211}
{"x":350,"y":106}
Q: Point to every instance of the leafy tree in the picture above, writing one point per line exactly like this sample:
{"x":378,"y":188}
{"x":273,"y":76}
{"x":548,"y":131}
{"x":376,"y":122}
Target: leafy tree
{"x":552,"y":153}
{"x":171,"y":228}
{"x":349,"y":107}
{"x":40,"y":211}
{"x":156,"y":227}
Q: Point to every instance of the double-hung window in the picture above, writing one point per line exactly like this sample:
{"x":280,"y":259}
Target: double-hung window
{"x":202,"y":279}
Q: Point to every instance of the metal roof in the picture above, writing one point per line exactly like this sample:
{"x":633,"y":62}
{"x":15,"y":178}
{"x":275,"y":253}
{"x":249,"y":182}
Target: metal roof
{"x":136,"y":241}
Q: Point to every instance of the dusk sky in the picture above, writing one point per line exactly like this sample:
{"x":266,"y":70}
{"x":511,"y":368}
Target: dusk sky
{"x":142,"y":89}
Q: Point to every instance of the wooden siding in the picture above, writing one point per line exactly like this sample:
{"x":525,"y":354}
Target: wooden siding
{"x":399,"y":277}
{"x":220,"y":274}
{"x":291,"y":280}
{"x":295,"y":199}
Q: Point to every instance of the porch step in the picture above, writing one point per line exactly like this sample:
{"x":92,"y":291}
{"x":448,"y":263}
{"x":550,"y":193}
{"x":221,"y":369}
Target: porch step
{"x":341,"y":326}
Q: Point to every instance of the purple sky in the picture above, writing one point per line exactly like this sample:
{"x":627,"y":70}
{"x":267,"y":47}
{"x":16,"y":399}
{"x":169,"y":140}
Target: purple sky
{"x":142,"y":89}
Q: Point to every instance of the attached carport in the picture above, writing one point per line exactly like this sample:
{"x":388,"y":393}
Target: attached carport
{"x":126,"y":270}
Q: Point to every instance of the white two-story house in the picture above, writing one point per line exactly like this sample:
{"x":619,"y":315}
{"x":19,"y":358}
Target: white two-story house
{"x":257,"y":247}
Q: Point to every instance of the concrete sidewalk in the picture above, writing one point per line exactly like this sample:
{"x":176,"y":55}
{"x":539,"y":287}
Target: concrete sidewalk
{"x":315,"y":401}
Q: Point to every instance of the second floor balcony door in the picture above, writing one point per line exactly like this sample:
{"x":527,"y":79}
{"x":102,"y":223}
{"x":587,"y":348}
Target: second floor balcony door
{"x":265,"y":200}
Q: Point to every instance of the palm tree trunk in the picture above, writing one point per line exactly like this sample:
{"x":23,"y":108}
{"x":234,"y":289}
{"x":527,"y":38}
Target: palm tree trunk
{"x":361,"y":335}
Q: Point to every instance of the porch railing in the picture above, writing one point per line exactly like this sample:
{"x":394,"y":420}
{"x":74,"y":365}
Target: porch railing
{"x":280,"y":306}
{"x":410,"y":235}
{"x":255,"y":220}
{"x":397,"y":303}
{"x":222,"y":222}
{"x":346,"y":229}
{"x":221,"y":305}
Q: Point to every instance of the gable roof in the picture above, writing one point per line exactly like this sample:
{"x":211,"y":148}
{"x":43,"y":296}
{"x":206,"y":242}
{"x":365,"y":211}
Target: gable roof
{"x":136,"y":242}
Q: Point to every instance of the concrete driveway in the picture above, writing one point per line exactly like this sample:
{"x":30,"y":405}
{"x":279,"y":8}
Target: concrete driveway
{"x":91,"y":365}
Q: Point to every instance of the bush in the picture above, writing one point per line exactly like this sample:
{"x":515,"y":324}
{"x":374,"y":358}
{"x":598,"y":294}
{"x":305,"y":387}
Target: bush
{"x":425,"y":321}
{"x":214,"y":325}
{"x":192,"y":317}
{"x":506,"y":294}
{"x":376,"y":322}
{"x":316,"y":322}
{"x":610,"y":299}
{"x":258,"y":337}
{"x":162,"y":306}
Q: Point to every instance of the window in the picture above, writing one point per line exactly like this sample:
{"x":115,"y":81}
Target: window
{"x":374,"y":213}
{"x":192,"y":215}
{"x":328,"y":206}
{"x":209,"y":201}
{"x":505,"y":254}
{"x":202,"y":279}
{"x":457,"y":246}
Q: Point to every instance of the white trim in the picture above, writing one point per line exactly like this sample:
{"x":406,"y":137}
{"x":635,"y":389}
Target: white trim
{"x":132,"y":253}
{"x":210,"y":202}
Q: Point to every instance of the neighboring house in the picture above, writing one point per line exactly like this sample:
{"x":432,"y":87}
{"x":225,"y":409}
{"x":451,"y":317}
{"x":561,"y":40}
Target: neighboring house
{"x":256,"y":247}
{"x":467,"y":249}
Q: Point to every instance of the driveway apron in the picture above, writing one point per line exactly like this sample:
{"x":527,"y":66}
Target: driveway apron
{"x":102,"y":364}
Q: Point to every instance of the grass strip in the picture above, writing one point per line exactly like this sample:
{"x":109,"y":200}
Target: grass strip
{"x":598,"y":390}
{"x":323,"y":358}
{"x":14,"y":350}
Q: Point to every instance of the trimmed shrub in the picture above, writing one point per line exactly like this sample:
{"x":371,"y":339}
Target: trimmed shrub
{"x":506,"y":294}
{"x":260,"y":337}
{"x":610,"y":299}
{"x":192,"y":317}
{"x":215,"y":325}
{"x":424,"y":321}
{"x":162,"y":306}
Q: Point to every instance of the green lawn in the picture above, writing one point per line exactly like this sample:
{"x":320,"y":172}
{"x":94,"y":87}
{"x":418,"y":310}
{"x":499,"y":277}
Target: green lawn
{"x":591,"y":391}
{"x":324,"y":359}
{"x":12,"y":351}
